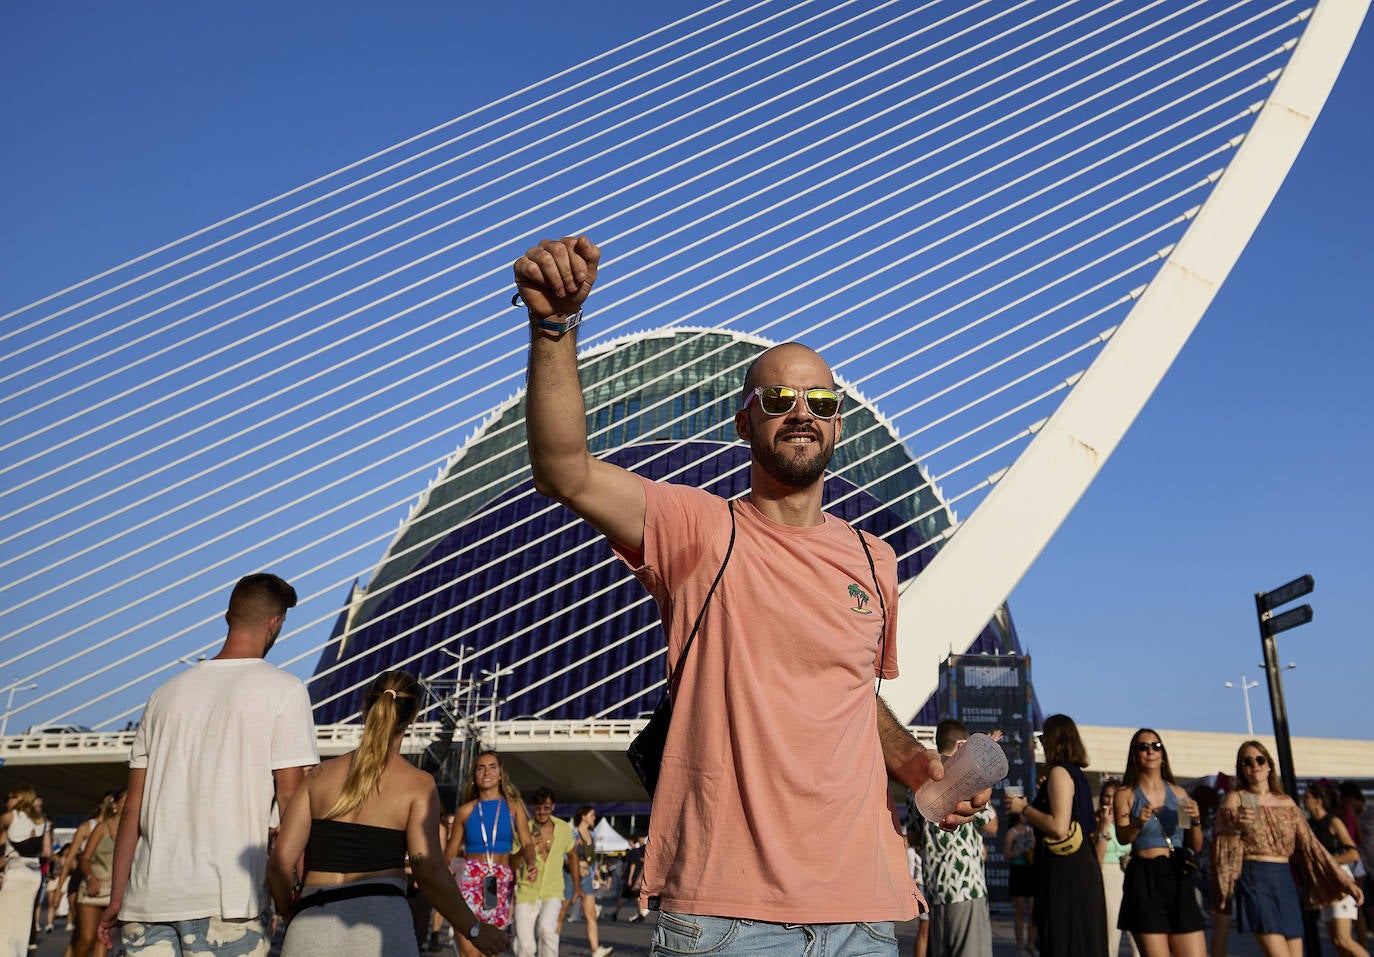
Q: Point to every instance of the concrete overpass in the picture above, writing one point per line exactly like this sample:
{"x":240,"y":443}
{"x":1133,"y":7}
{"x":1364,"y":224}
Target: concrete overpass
{"x":585,"y":760}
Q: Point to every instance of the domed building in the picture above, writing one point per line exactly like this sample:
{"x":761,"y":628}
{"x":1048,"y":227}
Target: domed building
{"x":488,"y":576}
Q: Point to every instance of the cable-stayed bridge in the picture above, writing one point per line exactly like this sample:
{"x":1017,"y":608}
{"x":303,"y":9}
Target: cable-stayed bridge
{"x":998,"y":221}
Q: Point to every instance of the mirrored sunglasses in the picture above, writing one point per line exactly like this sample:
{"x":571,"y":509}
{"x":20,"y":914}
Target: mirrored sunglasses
{"x":1143,"y":746}
{"x":781,"y":399}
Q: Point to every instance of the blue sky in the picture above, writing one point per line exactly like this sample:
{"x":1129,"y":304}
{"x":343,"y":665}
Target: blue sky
{"x":129,"y":125}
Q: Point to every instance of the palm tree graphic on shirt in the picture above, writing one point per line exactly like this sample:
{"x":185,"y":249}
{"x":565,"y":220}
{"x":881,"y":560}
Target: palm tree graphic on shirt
{"x":860,"y":600}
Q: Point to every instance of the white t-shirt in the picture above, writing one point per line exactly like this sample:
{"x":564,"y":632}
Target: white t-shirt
{"x":210,"y":739}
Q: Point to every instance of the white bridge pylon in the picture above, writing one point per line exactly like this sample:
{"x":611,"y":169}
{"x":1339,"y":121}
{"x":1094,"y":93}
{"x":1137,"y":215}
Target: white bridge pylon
{"x":989,"y":553}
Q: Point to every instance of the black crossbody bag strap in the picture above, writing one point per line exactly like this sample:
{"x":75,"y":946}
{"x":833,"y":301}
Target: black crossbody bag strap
{"x":676,"y":677}
{"x":882,"y":637}
{"x":645,"y":752}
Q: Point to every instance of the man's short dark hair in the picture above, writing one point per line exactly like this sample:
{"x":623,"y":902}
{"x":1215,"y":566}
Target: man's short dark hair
{"x":948,"y":733}
{"x":258,"y":597}
{"x":543,"y":795}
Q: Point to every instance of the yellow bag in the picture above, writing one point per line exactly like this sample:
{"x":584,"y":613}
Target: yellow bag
{"x":1070,"y":843}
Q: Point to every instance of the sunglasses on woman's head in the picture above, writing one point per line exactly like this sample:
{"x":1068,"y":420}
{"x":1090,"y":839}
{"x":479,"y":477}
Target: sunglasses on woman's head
{"x":1143,"y":746}
{"x":1258,"y":761}
{"x":781,"y":399}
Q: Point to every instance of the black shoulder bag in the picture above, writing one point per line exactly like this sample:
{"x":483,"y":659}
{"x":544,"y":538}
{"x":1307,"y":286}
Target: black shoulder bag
{"x":646,"y":750}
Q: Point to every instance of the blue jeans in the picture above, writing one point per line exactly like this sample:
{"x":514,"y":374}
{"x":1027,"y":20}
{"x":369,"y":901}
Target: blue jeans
{"x":692,"y":934}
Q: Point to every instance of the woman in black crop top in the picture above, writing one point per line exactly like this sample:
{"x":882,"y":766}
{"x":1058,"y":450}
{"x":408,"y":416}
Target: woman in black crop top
{"x":355,"y":819}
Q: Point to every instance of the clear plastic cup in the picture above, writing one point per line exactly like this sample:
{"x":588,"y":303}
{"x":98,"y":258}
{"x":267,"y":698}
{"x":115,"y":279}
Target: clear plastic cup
{"x":975,"y":767}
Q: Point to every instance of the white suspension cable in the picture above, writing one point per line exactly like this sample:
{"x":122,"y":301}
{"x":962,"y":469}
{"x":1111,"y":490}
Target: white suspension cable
{"x":415,"y":262}
{"x":514,"y":96}
{"x":534,"y":124}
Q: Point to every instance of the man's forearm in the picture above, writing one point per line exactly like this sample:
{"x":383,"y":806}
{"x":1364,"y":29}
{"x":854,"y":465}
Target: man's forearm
{"x":906,"y":760}
{"x":555,"y":414}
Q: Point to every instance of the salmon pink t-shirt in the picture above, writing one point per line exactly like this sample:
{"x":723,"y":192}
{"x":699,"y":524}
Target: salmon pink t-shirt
{"x":772,"y":802}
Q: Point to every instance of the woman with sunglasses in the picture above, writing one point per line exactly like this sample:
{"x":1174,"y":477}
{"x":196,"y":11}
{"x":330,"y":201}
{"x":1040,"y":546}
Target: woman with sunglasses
{"x":1323,"y":805}
{"x":1259,"y":833}
{"x":357,"y":819}
{"x":1159,"y":820}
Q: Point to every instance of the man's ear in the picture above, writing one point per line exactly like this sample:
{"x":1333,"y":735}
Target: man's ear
{"x":742,"y":424}
{"x":839,"y":426}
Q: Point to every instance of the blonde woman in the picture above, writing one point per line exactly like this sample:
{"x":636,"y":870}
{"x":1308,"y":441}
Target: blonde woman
{"x":96,"y":866}
{"x":485,"y":834}
{"x":70,"y":880}
{"x":27,"y":841}
{"x":356,"y":819}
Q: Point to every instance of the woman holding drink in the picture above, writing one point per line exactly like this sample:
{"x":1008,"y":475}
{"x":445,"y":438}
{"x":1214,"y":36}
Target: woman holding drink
{"x":1070,"y":909}
{"x":1260,"y":831}
{"x":1161,"y":823}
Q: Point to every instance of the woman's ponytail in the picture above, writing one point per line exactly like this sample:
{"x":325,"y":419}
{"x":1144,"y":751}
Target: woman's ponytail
{"x":389,"y":705}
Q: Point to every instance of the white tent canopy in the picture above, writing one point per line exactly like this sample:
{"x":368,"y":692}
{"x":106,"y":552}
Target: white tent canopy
{"x":608,"y":839}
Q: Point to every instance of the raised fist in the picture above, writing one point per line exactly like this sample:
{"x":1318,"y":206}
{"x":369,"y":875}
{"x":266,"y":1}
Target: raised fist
{"x":555,"y":277}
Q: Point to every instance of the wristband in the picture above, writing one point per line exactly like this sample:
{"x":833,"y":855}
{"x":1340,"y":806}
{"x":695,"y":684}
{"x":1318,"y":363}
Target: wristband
{"x":560,"y":326}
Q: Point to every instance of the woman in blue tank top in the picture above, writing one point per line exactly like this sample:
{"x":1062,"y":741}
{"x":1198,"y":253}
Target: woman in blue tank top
{"x":483,"y":836}
{"x":1158,"y":905}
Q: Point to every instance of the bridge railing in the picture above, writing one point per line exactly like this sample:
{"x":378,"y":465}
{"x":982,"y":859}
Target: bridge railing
{"x":334,"y":739}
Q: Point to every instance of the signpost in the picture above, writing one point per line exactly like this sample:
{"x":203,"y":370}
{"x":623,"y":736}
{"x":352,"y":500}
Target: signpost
{"x":1269,"y":626}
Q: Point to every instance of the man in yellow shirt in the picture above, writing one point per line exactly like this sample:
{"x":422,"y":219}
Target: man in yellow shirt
{"x":537,"y":901}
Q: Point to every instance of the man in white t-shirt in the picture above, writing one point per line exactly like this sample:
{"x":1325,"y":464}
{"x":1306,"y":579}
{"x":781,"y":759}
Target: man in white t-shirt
{"x":215,"y":743}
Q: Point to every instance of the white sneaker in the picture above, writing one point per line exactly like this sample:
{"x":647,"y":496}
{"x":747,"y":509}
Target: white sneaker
{"x":602,"y":951}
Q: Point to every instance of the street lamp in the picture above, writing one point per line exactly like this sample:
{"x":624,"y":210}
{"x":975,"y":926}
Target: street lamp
{"x":1245,"y":687}
{"x":9,"y":704}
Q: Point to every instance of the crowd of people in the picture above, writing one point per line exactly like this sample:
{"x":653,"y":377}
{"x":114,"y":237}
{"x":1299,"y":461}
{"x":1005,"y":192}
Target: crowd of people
{"x":772,"y":827}
{"x":1149,"y":866}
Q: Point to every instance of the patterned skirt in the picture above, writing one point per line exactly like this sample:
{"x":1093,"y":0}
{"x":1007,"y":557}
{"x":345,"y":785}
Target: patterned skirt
{"x":475,"y":871}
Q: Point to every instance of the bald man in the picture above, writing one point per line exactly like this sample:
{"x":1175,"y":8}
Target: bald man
{"x":772,"y":830}
{"x":216,"y":743}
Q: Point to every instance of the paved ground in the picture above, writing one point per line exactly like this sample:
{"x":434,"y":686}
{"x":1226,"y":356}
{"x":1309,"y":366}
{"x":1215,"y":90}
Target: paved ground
{"x":633,"y":940}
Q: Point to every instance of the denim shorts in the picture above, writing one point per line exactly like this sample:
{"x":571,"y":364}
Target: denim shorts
{"x":201,"y":937}
{"x":694,"y":934}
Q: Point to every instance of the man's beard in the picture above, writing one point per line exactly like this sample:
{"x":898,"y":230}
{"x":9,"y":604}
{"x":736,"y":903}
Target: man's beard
{"x":792,"y":470}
